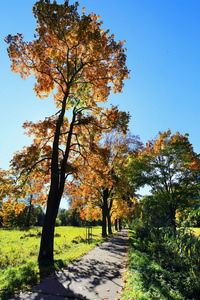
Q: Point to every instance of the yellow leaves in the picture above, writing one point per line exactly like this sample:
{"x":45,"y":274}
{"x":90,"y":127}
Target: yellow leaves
{"x":6,"y":183}
{"x":82,"y":214}
{"x":98,"y":175}
{"x":10,"y":210}
{"x":83,"y":10}
{"x":178,"y":215}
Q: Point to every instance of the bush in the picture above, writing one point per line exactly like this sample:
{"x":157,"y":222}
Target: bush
{"x":58,"y":222}
{"x":187,"y":246}
{"x":141,"y":229}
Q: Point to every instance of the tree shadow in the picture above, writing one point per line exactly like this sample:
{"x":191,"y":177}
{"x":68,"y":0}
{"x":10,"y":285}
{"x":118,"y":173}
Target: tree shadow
{"x":104,"y":270}
{"x":50,"y":286}
{"x":117,"y":244}
{"x":82,"y":276}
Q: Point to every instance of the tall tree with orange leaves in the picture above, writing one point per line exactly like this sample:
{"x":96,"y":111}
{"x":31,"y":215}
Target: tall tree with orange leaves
{"x":100,"y":187}
{"x":169,"y":165}
{"x":72,"y":56}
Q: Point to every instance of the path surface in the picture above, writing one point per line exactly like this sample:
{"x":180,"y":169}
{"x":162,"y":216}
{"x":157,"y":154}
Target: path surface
{"x":96,"y":275}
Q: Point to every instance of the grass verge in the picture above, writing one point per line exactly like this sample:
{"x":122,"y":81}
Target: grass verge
{"x":156,"y":271}
{"x":19,"y":252}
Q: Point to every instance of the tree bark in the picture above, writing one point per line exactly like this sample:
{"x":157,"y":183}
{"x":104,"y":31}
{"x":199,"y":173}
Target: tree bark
{"x":173,"y":216}
{"x":116,"y":228}
{"x":58,"y":177}
{"x":47,"y":241}
{"x":108,"y":213}
{"x":120,"y":225}
{"x":109,"y":223}
{"x":104,"y":227}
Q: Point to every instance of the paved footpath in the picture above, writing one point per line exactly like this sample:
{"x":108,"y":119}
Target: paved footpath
{"x":98,"y":275}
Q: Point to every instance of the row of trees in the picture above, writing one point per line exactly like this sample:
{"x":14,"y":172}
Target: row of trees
{"x":27,"y":217}
{"x":171,"y":168}
{"x":85,"y":151}
{"x":9,"y":217}
{"x":73,"y":218}
{"x":96,"y":190}
{"x":103,"y":188}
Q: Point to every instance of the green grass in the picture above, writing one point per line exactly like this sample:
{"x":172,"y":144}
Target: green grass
{"x":19,"y":252}
{"x":154,"y":273}
{"x":196,"y":231}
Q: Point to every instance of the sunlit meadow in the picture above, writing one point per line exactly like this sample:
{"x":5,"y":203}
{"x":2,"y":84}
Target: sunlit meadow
{"x":19,"y":251}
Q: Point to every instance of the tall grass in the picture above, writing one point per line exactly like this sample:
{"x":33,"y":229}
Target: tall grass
{"x":162,"y":267}
{"x":19,"y":252}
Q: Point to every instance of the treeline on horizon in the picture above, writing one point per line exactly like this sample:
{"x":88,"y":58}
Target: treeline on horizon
{"x":65,"y":217}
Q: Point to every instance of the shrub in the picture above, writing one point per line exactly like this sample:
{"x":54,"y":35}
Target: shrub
{"x":164,"y":265}
{"x":141,"y":229}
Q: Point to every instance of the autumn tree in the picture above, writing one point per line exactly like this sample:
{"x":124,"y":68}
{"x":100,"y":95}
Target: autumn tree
{"x":99,"y":187}
{"x":122,"y":195}
{"x":6,"y":181}
{"x":170,"y":167}
{"x":121,"y":147}
{"x":72,"y":56}
{"x":91,"y":189}
{"x":25,"y":187}
{"x":9,"y":210}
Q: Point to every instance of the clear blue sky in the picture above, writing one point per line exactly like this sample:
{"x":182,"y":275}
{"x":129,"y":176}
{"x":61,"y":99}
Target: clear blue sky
{"x":163,"y":54}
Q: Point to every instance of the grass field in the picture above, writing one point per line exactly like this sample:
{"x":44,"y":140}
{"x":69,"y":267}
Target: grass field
{"x":19,"y":252}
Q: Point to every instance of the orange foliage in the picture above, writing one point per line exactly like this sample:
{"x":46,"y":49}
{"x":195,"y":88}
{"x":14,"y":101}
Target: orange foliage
{"x":74,"y":57}
{"x":11,"y":209}
{"x":69,"y":49}
{"x":81,"y":63}
{"x":102,"y":173}
{"x":195,"y":164}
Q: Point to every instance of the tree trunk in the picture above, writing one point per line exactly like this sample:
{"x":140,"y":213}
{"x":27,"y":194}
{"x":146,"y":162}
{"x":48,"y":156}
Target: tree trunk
{"x":173,"y":222}
{"x":120,"y":225}
{"x":47,"y":241}
{"x":58,"y":177}
{"x":109,"y":223}
{"x":108,"y":213}
{"x":173,"y":217}
{"x":104,"y":229}
{"x":104,"y":212}
{"x":116,"y":228}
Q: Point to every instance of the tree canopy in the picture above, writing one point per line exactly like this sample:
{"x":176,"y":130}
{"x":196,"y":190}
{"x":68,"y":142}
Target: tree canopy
{"x":169,"y":165}
{"x":73,"y":57}
{"x":99,"y":187}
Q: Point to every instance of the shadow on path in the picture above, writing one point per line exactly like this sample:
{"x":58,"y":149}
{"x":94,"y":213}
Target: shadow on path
{"x":96,"y":275}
